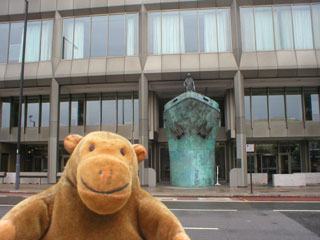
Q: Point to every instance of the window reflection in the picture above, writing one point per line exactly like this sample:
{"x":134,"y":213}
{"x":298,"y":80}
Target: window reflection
{"x":290,"y":27}
{"x":116,"y":35}
{"x":85,"y":37}
{"x":5,"y":114}
{"x":4,"y":40}
{"x":45,"y":111}
{"x":64,"y":111}
{"x":67,"y":38}
{"x":314,"y":153}
{"x":247,"y":107}
{"x":302,"y":27}
{"x":264,"y":28}
{"x":276,"y":104}
{"x":81,"y":38}
{"x":283,"y":27}
{"x":294,"y":105}
{"x":173,"y":32}
{"x":15,"y":42}
{"x":132,"y":34}
{"x":247,"y":29}
{"x":259,"y":105}
{"x":311,"y":100}
{"x":316,"y":24}
{"x":99,"y":36}
{"x":111,"y":107}
{"x":208,"y":31}
{"x":38,"y":41}
{"x":93,"y":110}
{"x":188,"y":28}
{"x":77,"y":110}
{"x":33,"y":112}
{"x":108,"y":109}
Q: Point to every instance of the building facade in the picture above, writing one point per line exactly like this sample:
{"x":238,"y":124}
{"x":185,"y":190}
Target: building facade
{"x":113,"y":64}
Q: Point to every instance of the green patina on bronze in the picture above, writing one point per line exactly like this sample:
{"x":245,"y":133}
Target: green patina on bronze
{"x":191,"y":121}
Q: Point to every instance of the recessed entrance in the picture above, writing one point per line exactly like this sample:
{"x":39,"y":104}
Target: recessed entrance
{"x":267,"y":163}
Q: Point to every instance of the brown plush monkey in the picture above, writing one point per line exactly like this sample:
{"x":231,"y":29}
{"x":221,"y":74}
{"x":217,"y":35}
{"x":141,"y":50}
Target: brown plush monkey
{"x":98,"y":197}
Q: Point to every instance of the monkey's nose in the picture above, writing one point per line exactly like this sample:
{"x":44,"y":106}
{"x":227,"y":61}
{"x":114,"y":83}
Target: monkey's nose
{"x":105,"y":175}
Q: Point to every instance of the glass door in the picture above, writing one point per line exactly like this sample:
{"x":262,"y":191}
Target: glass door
{"x":164,"y":163}
{"x":285,"y":164}
{"x":268,"y":164}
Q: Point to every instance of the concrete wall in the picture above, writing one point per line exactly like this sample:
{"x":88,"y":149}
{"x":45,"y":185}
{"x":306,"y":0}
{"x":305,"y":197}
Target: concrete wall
{"x":258,"y":178}
{"x":295,"y":179}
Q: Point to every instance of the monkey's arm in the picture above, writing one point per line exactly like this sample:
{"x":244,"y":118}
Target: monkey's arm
{"x":27,"y":220}
{"x":158,"y":223}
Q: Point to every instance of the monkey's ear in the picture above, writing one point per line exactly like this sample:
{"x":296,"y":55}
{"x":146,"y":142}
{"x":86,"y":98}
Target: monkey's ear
{"x":140,"y":151}
{"x":71,"y":141}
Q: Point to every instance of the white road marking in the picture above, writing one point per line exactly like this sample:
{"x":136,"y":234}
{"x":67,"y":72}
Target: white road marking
{"x":204,"y":210}
{"x":6,"y":205}
{"x":200,"y":228}
{"x":295,"y":210}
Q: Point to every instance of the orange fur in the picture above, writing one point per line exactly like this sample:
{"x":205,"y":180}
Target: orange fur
{"x":97,"y":197}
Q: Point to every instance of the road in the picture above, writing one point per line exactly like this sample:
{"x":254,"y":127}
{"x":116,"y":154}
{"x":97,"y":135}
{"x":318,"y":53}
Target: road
{"x":209,"y":219}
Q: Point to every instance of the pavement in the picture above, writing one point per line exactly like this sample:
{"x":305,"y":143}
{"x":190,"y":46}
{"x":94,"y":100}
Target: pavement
{"x":222,"y":191}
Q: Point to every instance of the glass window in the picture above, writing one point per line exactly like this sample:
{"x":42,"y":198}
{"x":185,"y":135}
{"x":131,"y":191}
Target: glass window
{"x":208,"y":30}
{"x":247,"y":107}
{"x":81,"y":38}
{"x":224,"y":30}
{"x":15,"y":113}
{"x":64,"y":111}
{"x":116,"y":35}
{"x":311,"y":100}
{"x":4,"y":40}
{"x":314,"y":153}
{"x":93,"y":110}
{"x":77,"y":110}
{"x":99,"y":36}
{"x":33,"y":42}
{"x":283,"y":27}
{"x":276,"y":104}
{"x":154,"y":21}
{"x":5,"y":113}
{"x":189,"y":31}
{"x":46,"y":40}
{"x":316,"y":24}
{"x":15,"y":48}
{"x":125,"y":109}
{"x":294,"y":105}
{"x":302,"y":27}
{"x":136,"y":111}
{"x":259,"y":104}
{"x":109,"y":109}
{"x":264,"y":28}
{"x":247,"y":29}
{"x":132,"y":34}
{"x":295,"y":158}
{"x":45,"y":111}
{"x":33,"y":112}
{"x":67,"y":38}
{"x":170,"y":33}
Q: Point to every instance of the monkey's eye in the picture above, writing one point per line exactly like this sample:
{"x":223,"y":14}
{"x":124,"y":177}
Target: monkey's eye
{"x":122,"y":151}
{"x":91,"y":148}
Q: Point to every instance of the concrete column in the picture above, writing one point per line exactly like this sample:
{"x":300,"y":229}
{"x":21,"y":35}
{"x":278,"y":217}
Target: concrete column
{"x":54,"y":129}
{"x":241,"y":161}
{"x":143,"y":122}
{"x":54,"y":102}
